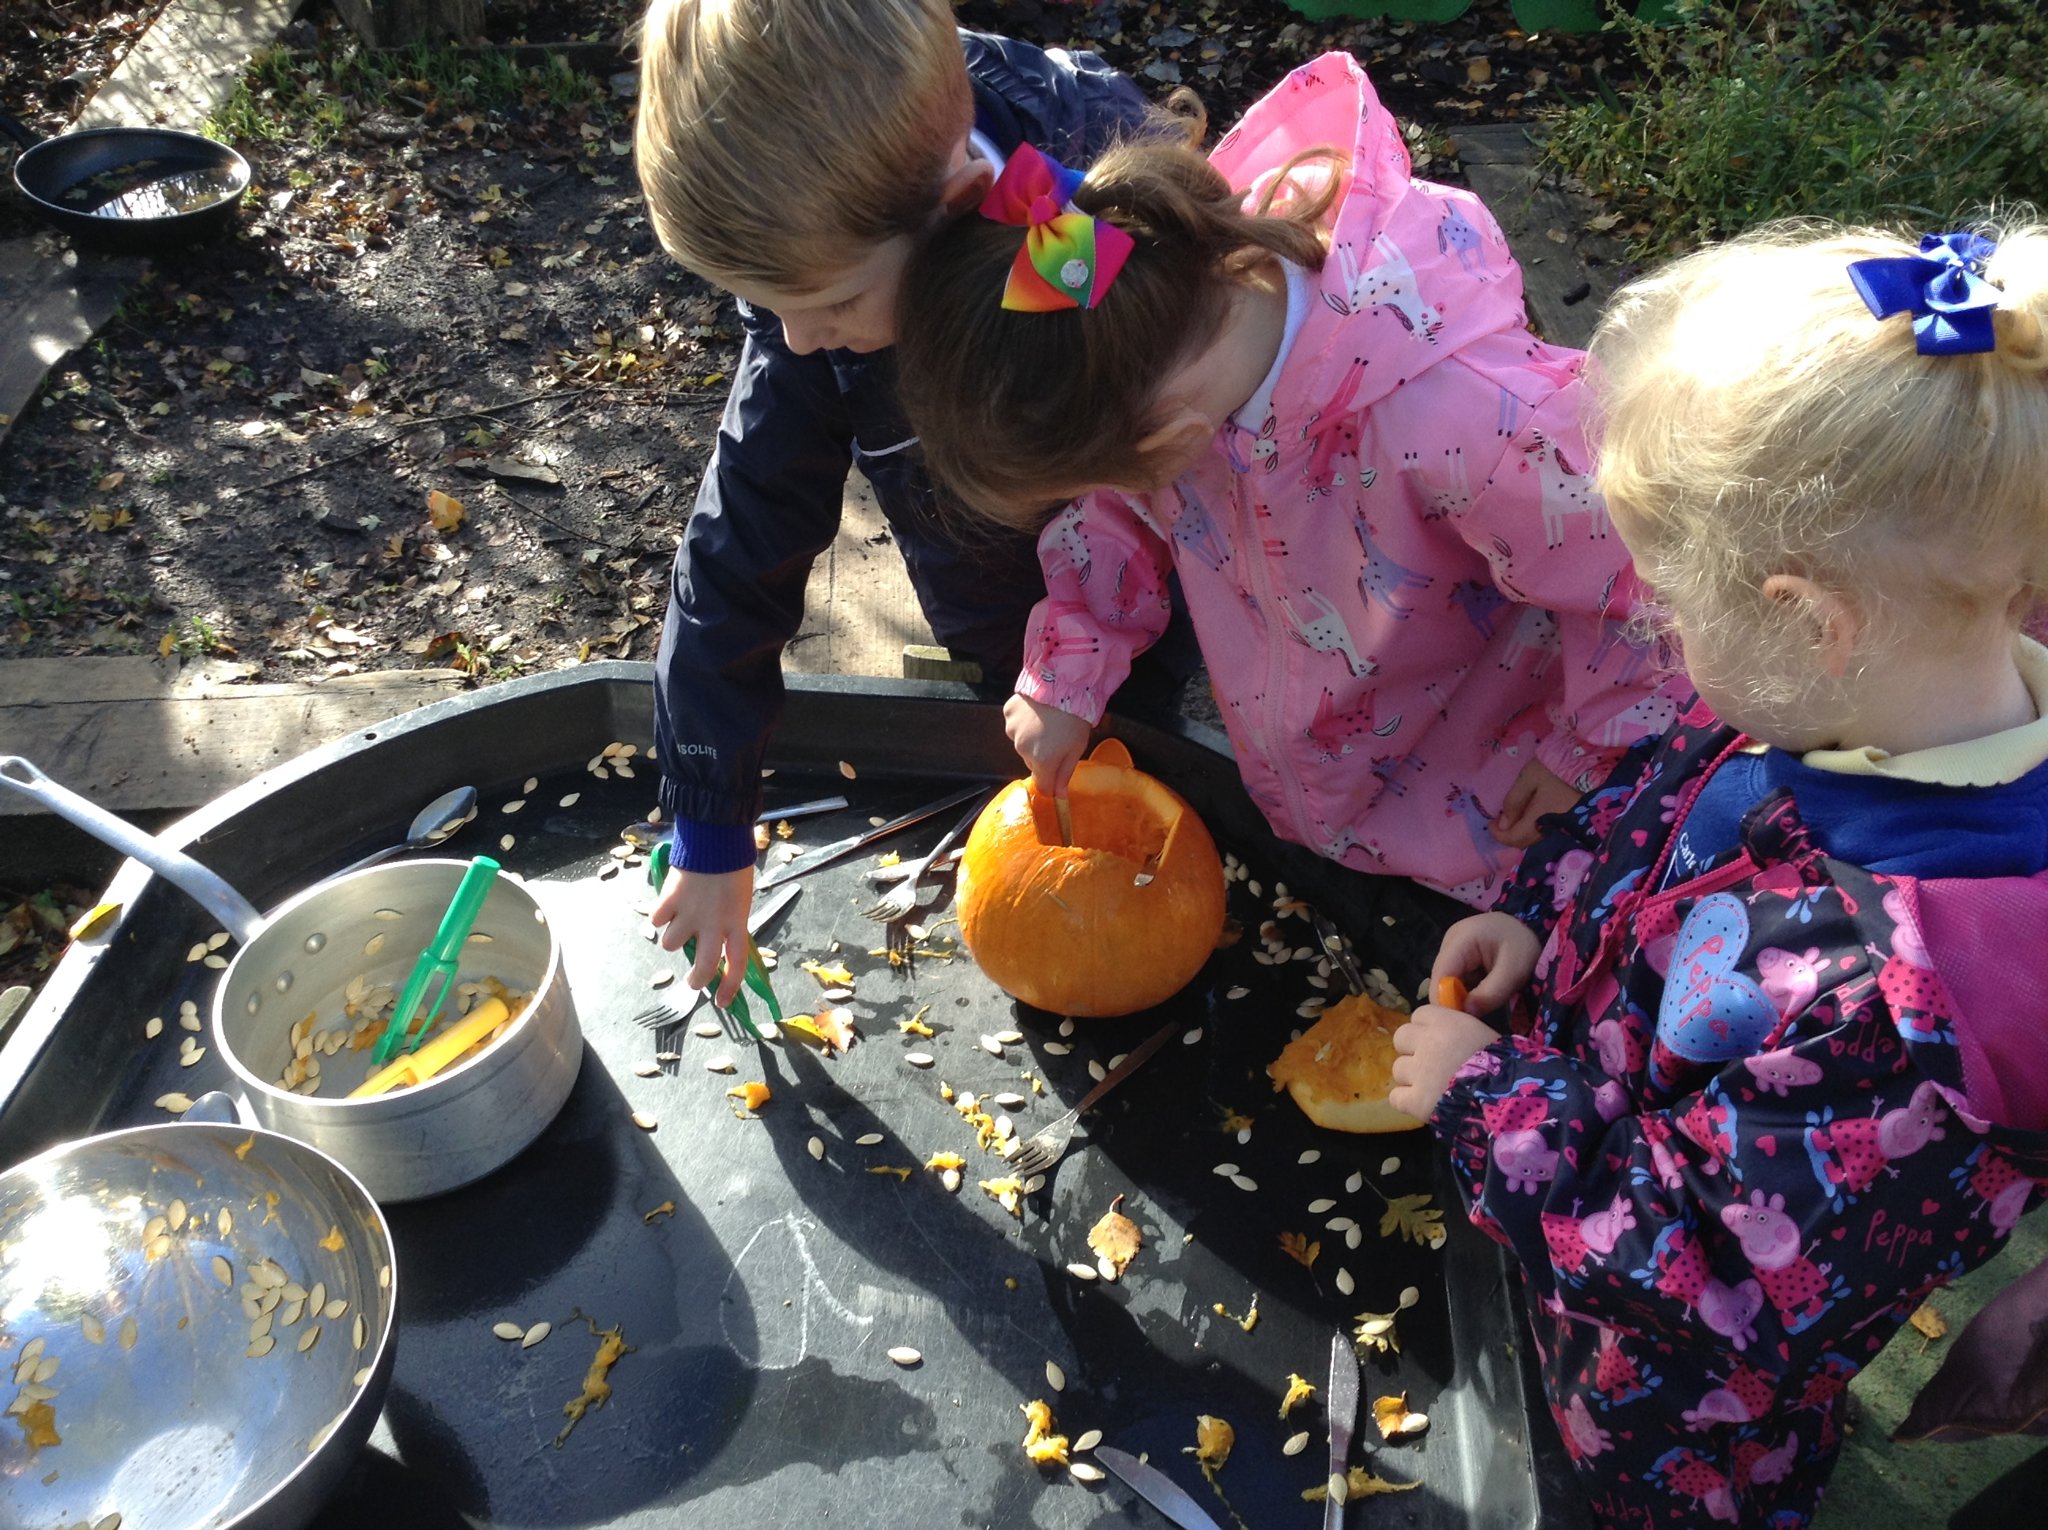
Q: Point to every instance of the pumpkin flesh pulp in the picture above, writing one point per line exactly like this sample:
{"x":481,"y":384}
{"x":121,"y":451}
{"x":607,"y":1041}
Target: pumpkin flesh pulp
{"x":1340,"y":1069}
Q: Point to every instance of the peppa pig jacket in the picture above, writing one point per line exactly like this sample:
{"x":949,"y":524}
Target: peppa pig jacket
{"x":1404,"y":585}
{"x":1758,"y":1115}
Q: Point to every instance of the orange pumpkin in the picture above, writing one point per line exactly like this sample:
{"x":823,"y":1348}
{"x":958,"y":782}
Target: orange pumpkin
{"x":1340,"y":1069}
{"x":1120,"y":919}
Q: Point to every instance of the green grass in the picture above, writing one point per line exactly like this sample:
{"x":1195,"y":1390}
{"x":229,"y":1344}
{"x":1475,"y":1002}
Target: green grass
{"x":288,"y":97}
{"x":1864,"y":113}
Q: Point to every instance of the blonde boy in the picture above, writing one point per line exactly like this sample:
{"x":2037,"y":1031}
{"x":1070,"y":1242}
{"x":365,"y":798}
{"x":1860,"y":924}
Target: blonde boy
{"x":793,"y":152}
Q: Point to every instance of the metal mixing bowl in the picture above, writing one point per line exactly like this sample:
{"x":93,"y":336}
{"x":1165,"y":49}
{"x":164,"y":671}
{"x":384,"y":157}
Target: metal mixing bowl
{"x":368,"y":928}
{"x":133,"y":1270}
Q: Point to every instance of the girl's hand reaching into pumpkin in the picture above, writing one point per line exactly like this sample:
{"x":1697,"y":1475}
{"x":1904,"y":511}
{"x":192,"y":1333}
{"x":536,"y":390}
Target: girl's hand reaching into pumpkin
{"x":1498,"y":946}
{"x":1429,"y":1050}
{"x":1048,"y":740}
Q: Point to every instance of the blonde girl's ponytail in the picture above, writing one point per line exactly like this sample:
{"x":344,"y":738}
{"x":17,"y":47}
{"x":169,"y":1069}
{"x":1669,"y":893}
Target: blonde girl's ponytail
{"x":2020,"y":322}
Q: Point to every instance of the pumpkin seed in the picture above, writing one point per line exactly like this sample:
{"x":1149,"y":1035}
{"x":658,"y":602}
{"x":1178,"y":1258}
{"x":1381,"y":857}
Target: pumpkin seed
{"x":950,"y":1178}
{"x":31,"y":1352}
{"x":258,"y":1348}
{"x":1353,"y":1235}
{"x":1296,"y":1444}
{"x":291,"y":1313}
{"x":157,"y":1248}
{"x":32,"y":1393}
{"x":1096,"y":1071}
{"x":1005,"y":1127}
{"x":1225,"y":1169}
{"x":846,"y":770}
{"x":225,"y":1221}
{"x":388,"y":915}
{"x":661,"y":979}
{"x":177,"y":1215}
{"x":919,"y":1059}
{"x":867,"y":1139}
{"x":1409,"y":1297}
{"x":95,"y":1331}
{"x":535,"y":1334}
{"x":1372,"y":1328}
{"x":1339,"y":1488}
{"x":668,"y":1057}
{"x":1081,"y":1271}
{"x":1317,"y":1207}
{"x":1388,"y":1166}
{"x":383,"y":1277}
{"x":309,"y":1338}
{"x":836,"y":995}
{"x":514,"y":805}
{"x":191,"y":1057}
{"x":261,"y":1326}
{"x":361,"y":1377}
{"x":506,"y":842}
{"x":1351,"y":1185}
{"x":317,"y":1297}
{"x":216,"y":940}
{"x":222,"y":1270}
{"x":294,"y":1292}
{"x":1055,"y":1377}
{"x":505,"y":1331}
{"x":905,"y":1356}
{"x":645,"y":1122}
{"x":177,"y":1104}
{"x":1244,"y":1182}
{"x":1338,"y":1224}
{"x":110,"y":1522}
{"x":719,"y":1064}
{"x":128,"y":1332}
{"x":1087,"y":1439}
{"x":1082,"y":1471}
{"x":647,"y":1070}
{"x":993,"y":1047}
{"x":1011,"y":1101}
{"x":1345,"y":1284}
{"x":362,"y":1330}
{"x":1057,"y":1048}
{"x":1318,"y":982}
{"x":1191,"y":1037}
{"x":197,"y":953}
{"x":816,"y":1148}
{"x":1106,"y":1268}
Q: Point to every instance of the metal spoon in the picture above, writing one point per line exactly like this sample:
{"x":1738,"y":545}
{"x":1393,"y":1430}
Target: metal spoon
{"x":432,"y":824}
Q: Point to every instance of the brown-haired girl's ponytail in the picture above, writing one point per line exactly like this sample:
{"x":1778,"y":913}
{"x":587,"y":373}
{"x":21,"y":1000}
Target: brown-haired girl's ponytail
{"x":1017,"y":411}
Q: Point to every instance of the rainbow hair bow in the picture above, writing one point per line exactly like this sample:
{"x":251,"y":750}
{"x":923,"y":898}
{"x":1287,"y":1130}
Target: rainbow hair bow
{"x":1069,"y":258}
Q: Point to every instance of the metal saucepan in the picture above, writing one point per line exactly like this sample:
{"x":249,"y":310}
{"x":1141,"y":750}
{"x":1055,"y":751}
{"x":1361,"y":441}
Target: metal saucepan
{"x":133,"y":189}
{"x":141,"y":1272}
{"x":327,"y":953}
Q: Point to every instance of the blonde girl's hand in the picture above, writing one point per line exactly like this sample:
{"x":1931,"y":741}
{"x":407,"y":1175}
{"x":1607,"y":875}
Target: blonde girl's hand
{"x":1537,"y":790}
{"x":1499,"y":947}
{"x":711,"y":909}
{"x":1048,"y":740}
{"x":1429,"y":1050}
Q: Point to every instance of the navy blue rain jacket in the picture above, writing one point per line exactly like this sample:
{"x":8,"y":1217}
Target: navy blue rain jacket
{"x":770,"y":500}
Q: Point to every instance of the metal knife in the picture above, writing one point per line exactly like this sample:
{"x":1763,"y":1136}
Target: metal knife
{"x":803,"y":809}
{"x":825,"y":855}
{"x":1342,"y":1403}
{"x":1156,"y":1488}
{"x":1338,"y":949}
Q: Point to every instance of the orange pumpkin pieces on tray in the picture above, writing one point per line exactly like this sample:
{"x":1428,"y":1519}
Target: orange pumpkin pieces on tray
{"x":1340,"y":1069}
{"x":1117,"y":921}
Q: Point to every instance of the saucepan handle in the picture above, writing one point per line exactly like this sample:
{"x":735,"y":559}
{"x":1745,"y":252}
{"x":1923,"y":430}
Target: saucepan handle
{"x":235,"y":912}
{"x":14,"y":128}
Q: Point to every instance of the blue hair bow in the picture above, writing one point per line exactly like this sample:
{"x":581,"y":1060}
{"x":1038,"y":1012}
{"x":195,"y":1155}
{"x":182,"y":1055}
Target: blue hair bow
{"x":1943,"y":287}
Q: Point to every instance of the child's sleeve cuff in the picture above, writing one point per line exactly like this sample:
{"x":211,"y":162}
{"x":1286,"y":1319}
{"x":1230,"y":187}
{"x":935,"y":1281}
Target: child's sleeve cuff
{"x":712,"y":848}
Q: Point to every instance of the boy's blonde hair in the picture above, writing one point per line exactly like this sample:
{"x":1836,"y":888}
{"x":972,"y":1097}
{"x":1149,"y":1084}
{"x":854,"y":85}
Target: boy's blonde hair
{"x":1016,"y":410}
{"x":779,"y":139}
{"x":1757,"y":420}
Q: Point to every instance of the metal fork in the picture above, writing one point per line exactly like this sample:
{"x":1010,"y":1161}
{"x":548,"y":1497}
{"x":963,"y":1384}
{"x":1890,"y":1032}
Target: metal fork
{"x":898,"y":902}
{"x":1045,"y":1148}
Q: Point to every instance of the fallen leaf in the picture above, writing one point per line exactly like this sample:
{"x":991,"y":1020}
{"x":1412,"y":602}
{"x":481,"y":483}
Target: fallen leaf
{"x":1296,"y":1246}
{"x":1394,"y":1419}
{"x":444,"y":510}
{"x":1928,"y":1321}
{"x":1375,"y":1331}
{"x":1116,"y":1237}
{"x":1414,"y":1219}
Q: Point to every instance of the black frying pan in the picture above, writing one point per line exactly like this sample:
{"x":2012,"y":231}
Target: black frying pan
{"x":136,"y":189}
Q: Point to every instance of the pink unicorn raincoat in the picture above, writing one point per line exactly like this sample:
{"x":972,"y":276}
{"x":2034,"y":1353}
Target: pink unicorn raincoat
{"x":1404,"y":584}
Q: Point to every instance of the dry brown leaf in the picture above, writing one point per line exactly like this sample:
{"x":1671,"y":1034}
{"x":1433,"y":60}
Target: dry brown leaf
{"x":1116,"y":1237}
{"x":444,"y":510}
{"x":1414,"y":1219}
{"x":1296,"y":1246}
{"x":1928,"y":1321}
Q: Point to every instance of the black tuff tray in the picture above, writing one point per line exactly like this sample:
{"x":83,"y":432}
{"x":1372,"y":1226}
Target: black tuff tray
{"x":758,"y":1391}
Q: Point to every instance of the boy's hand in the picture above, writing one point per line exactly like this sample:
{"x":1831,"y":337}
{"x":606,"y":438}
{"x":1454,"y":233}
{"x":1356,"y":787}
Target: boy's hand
{"x":1499,"y":946}
{"x":1537,"y":790}
{"x":711,"y":909}
{"x":1433,"y":1045}
{"x":1048,"y":740}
